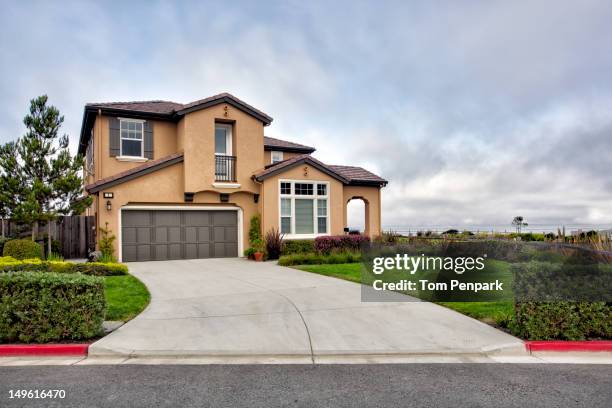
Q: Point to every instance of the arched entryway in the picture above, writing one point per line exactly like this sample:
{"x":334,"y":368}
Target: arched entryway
{"x":357,"y":215}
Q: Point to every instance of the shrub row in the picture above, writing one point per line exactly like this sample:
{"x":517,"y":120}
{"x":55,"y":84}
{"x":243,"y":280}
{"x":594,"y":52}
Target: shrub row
{"x":44,"y":307}
{"x":36,"y":265}
{"x":297,"y":246}
{"x":22,"y":249}
{"x":562,"y":320}
{"x":315,"y":259}
{"x":327,"y":244}
{"x":564,"y":301}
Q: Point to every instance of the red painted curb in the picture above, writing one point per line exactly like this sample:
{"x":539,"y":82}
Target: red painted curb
{"x":557,"y":345}
{"x":7,"y":350}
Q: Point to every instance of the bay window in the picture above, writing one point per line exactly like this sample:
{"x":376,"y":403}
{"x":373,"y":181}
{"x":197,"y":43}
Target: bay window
{"x":304,"y":209}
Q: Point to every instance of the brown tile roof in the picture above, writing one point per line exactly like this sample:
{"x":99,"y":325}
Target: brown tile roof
{"x":161,"y":107}
{"x":132,"y":173}
{"x":271,"y":143}
{"x":354,"y":173}
{"x":346,"y":174}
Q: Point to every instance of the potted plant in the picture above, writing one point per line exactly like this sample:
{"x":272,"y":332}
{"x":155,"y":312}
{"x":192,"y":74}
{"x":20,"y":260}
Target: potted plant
{"x":250,"y":252}
{"x":259,"y":251}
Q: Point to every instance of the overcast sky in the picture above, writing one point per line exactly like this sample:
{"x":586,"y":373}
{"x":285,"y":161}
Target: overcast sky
{"x":475,"y":111}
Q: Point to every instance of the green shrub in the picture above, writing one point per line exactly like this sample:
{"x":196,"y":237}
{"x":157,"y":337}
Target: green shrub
{"x":562,"y":300}
{"x":316,"y":259}
{"x":3,"y":240}
{"x":562,"y":320}
{"x":46,"y":307}
{"x":9,"y":264}
{"x":249,"y":252}
{"x":255,"y":230}
{"x":22,"y":249}
{"x":107,"y":258}
{"x":106,"y":242}
{"x":100,"y":268}
{"x":298,"y":246}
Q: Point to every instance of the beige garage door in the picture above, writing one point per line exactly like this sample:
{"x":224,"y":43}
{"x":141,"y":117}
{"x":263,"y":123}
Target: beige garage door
{"x":157,"y":235}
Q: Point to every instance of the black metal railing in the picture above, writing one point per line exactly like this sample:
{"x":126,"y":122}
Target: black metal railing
{"x":225,"y":168}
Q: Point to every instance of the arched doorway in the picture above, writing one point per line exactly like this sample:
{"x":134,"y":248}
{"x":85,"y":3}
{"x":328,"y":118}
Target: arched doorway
{"x":357,"y":215}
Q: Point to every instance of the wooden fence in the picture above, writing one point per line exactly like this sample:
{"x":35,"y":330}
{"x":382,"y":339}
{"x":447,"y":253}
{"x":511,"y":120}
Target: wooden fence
{"x":76,"y":233}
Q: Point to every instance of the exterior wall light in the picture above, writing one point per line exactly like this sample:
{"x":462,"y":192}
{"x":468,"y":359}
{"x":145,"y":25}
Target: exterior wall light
{"x":108,"y":205}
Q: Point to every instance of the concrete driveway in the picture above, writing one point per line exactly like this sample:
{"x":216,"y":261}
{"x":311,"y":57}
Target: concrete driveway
{"x":234,"y":308}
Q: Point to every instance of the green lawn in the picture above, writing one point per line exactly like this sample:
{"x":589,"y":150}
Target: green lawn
{"x":125,"y":296}
{"x":487,"y":312}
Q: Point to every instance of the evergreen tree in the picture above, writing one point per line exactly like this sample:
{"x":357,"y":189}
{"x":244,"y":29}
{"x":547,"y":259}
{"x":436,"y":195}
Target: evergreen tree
{"x":10,"y":182}
{"x":51,"y":179}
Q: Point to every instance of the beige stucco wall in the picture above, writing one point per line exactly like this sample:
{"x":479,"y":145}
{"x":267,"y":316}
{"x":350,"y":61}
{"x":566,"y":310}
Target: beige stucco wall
{"x":164,"y":143}
{"x":165,"y":187}
{"x":371,"y":198}
{"x":247,"y":145}
{"x":270,"y":197}
{"x":286,"y":155}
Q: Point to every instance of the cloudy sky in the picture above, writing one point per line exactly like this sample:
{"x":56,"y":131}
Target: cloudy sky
{"x":475,"y":111}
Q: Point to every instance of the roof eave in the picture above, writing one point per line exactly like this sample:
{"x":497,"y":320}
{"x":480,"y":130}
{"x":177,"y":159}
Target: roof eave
{"x":225,"y":99}
{"x":97,"y":188}
{"x":311,"y":162}
{"x":306,"y":150}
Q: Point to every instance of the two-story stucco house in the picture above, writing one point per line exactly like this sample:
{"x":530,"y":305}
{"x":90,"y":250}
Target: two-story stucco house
{"x":174,"y":181}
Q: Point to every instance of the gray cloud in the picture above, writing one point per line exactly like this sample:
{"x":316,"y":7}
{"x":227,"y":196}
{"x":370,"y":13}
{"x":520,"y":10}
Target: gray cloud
{"x":475,"y":111}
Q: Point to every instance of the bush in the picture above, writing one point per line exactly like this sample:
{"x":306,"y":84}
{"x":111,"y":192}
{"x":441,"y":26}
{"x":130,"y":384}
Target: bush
{"x":274,"y":243}
{"x":249,"y":252}
{"x":298,"y":246}
{"x":562,"y":320}
{"x":327,"y":244}
{"x":255,"y":230}
{"x":106,"y":243}
{"x":317,"y":259}
{"x":3,"y":240}
{"x":388,"y":238}
{"x":45,"y":307}
{"x":22,"y":249}
{"x":562,"y":301}
{"x":9,"y":264}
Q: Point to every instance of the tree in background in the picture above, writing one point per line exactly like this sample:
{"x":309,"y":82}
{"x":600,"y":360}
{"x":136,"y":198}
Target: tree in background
{"x":50,"y":176}
{"x":518,"y":223}
{"x":10,"y":182}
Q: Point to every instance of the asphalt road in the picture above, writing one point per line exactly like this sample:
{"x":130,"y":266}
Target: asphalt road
{"x":422,"y":385}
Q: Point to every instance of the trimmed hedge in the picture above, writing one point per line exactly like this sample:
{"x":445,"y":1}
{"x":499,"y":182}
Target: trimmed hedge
{"x":316,"y":259}
{"x":562,"y":320}
{"x":327,"y":244}
{"x":22,"y":249}
{"x":9,"y":264}
{"x":564,"y":301}
{"x":44,"y":307}
{"x":297,"y":246}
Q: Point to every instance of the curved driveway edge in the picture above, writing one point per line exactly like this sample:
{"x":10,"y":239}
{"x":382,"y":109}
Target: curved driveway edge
{"x":235,"y":309}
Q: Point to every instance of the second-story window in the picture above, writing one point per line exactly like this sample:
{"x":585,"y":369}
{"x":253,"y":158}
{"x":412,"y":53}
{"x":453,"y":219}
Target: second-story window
{"x":223,"y":139}
{"x":131,"y":138}
{"x":277,"y":156}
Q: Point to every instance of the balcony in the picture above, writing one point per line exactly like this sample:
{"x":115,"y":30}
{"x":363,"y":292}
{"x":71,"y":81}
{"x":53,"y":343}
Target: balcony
{"x":225,"y":168}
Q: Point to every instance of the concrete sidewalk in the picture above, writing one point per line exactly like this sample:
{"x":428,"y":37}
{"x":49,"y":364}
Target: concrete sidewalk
{"x":233,"y":309}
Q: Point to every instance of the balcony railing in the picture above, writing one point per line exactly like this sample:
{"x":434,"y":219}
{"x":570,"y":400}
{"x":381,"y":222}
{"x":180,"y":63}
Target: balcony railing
{"x":225,"y":168}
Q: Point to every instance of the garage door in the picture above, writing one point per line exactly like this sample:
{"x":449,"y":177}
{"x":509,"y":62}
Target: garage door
{"x":157,"y":235}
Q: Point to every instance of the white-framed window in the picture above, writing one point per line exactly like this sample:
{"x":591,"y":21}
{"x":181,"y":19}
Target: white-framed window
{"x":89,"y":155}
{"x":276,"y":156}
{"x":304,"y":208}
{"x":132,"y":137}
{"x":223,"y":139}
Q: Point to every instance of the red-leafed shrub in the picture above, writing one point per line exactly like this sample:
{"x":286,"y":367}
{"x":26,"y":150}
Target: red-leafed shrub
{"x":327,"y":244}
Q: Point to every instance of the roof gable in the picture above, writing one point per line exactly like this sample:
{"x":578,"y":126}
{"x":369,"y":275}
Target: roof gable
{"x":285,"y":165}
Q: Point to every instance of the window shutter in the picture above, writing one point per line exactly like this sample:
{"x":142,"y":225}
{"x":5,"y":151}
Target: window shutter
{"x":148,"y":139}
{"x":115,"y":139}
